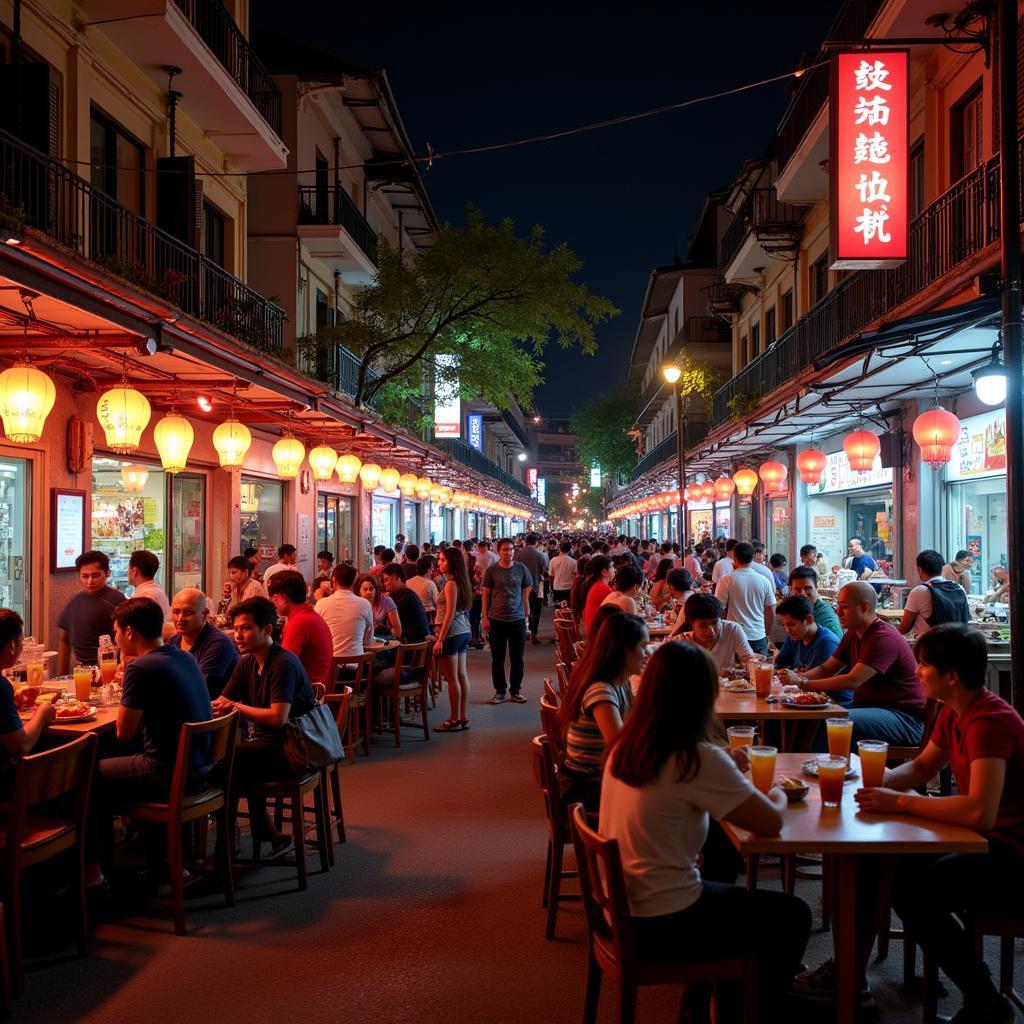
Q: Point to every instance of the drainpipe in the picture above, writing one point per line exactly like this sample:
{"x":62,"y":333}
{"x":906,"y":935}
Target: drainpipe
{"x":16,"y":61}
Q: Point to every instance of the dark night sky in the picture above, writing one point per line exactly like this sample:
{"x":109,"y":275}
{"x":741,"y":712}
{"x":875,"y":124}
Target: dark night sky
{"x":624,"y":197}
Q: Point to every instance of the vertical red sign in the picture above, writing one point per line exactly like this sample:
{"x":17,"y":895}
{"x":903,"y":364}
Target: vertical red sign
{"x":869,"y":117}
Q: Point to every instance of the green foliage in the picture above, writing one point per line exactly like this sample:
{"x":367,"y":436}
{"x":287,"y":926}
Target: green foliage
{"x":699,"y":379}
{"x":601,"y":427}
{"x":741,"y":403}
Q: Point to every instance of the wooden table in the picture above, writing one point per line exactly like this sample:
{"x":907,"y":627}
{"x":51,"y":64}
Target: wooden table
{"x":383,"y":645}
{"x":733,"y":707}
{"x":845,"y":834}
{"x":890,"y":614}
{"x":104,"y":721}
{"x":656,"y":631}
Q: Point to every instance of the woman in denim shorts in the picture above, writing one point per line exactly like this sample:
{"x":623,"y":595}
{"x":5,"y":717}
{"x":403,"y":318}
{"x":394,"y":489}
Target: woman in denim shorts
{"x":453,"y":634}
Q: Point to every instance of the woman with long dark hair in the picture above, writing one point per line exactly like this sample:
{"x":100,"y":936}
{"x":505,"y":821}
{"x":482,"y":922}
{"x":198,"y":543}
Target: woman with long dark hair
{"x":664,"y":777}
{"x":598,"y":698}
{"x":659,"y":594}
{"x":453,"y":634}
{"x":596,"y":588}
{"x":579,"y":581}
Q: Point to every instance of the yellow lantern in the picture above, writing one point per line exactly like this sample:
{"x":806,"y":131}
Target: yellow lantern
{"x":173,"y":436}
{"x":348,"y":468}
{"x":322,"y":460}
{"x":389,"y":478}
{"x":461,"y":499}
{"x":445,"y":496}
{"x":133,"y":478}
{"x":26,"y":398}
{"x":435,"y":492}
{"x":423,"y":486}
{"x":407,"y":484}
{"x":288,"y":454}
{"x":124,"y":414}
{"x":370,"y":475}
{"x":232,"y":440}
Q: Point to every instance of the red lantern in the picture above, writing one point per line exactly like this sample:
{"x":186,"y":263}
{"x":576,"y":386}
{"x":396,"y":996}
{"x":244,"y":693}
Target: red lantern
{"x":936,"y":431}
{"x":707,"y":490}
{"x":746,"y":481}
{"x":724,"y":486}
{"x":694,"y":492}
{"x":773,"y":474}
{"x":861,"y":447}
{"x":811,"y":464}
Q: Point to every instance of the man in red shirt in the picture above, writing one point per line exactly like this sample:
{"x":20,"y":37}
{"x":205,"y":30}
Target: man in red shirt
{"x":306,"y":634}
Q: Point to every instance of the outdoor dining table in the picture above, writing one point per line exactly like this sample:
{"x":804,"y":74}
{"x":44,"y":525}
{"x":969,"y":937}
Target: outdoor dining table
{"x":105,"y":720}
{"x":747,"y":707}
{"x":659,"y":631}
{"x":845,"y":834}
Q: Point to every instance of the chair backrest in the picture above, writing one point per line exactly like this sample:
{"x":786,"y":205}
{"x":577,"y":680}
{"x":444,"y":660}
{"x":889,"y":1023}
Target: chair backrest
{"x":413,"y":656}
{"x":360,"y":683}
{"x":221,"y":733}
{"x":603,"y":887}
{"x":546,"y":774}
{"x":550,"y":724}
{"x":577,"y":650}
{"x":338,"y":703}
{"x":562,"y":670}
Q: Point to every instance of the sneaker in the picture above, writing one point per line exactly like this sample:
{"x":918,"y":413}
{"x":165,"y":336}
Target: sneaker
{"x":517,"y":698}
{"x":818,"y":986}
{"x":498,"y":698}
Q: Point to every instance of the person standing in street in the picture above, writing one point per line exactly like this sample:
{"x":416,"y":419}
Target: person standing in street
{"x":537,"y":563}
{"x":748,"y":599}
{"x":561,"y":568}
{"x":505,"y":594}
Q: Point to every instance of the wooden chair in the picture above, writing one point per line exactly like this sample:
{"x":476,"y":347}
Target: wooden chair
{"x":32,"y":836}
{"x":339,"y":705}
{"x":563,"y":673}
{"x":558,"y":833}
{"x":612,"y":951}
{"x":357,"y":728}
{"x":409,"y":657}
{"x":183,"y":807}
{"x":550,"y":725}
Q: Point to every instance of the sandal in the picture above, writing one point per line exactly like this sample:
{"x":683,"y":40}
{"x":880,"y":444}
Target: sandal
{"x":464,"y":723}
{"x":449,"y":725}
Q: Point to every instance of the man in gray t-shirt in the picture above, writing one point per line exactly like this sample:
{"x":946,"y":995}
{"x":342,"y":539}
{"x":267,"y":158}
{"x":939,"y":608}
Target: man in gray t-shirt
{"x":505,"y":592}
{"x":536,"y":563}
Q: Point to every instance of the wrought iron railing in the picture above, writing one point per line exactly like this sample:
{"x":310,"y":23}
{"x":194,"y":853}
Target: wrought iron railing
{"x":39,"y":191}
{"x":318,"y":205}
{"x":695,"y":432}
{"x":761,"y":209}
{"x":216,"y":27}
{"x":461,"y":452}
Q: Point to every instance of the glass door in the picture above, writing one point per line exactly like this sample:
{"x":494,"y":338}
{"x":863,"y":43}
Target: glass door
{"x":188,"y":547}
{"x":334,"y":526}
{"x":262,"y":506}
{"x":15,"y":509}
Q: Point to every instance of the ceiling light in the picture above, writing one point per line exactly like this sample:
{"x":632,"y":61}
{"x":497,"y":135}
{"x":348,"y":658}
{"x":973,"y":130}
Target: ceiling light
{"x":204,"y":403}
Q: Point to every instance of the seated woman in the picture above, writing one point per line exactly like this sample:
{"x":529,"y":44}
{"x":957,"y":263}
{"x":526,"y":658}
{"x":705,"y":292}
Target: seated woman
{"x":596,"y":703}
{"x":385,"y":612}
{"x":579,"y":582}
{"x":681,"y":589}
{"x":659,"y":594}
{"x":268,"y":687}
{"x":628,"y":582}
{"x":664,"y":777}
{"x":18,"y":738}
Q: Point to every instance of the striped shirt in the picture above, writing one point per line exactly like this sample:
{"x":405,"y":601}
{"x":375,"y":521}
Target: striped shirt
{"x":584,"y":744}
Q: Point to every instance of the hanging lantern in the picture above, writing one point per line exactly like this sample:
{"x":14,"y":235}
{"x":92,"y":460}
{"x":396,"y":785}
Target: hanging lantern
{"x":389,"y":478}
{"x":407,"y":484}
{"x":232,"y":440}
{"x":288,"y":454}
{"x":26,"y":398}
{"x":173,"y":436}
{"x":124,"y":414}
{"x":348,"y":467}
{"x":707,"y":491}
{"x":773,"y":474}
{"x":423,"y":486}
{"x":322,"y":460}
{"x":746,"y":481}
{"x":936,"y":431}
{"x":811,"y":464}
{"x":461,"y":499}
{"x":133,"y":478}
{"x":369,"y":475}
{"x":435,"y":493}
{"x":861,"y":447}
{"x":445,"y":496}
{"x":694,"y":493}
{"x":724,"y":487}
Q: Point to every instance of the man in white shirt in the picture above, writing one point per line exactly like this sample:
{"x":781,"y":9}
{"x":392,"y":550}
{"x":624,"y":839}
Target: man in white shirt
{"x":759,"y":564}
{"x":691,"y":563}
{"x":748,"y":599}
{"x":935,"y":601}
{"x":562,"y":569}
{"x":286,"y":559}
{"x":725,"y":565}
{"x":485,"y":558}
{"x":423,"y":586}
{"x":349,"y":617}
{"x":142,"y":569}
{"x":724,"y":641}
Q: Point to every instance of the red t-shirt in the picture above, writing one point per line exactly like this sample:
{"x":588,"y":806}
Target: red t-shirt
{"x":598,"y":592}
{"x":895,"y":684}
{"x":989,"y":727}
{"x":308,"y":637}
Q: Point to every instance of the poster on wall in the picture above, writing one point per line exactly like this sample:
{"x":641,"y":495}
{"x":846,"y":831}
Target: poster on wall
{"x":981,"y":447}
{"x":67,"y":528}
{"x":827,"y":537}
{"x":305,"y":544}
{"x":838,"y":476}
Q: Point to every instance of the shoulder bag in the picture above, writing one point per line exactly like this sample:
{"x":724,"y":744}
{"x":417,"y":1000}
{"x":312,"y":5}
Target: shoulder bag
{"x":311,"y":741}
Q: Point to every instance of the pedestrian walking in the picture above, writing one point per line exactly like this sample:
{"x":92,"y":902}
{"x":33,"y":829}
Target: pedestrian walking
{"x":505,"y":595}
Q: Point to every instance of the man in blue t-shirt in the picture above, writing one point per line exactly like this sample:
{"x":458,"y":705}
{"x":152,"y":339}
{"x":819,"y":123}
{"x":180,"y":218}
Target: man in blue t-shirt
{"x":860,"y":561}
{"x":807,"y":644}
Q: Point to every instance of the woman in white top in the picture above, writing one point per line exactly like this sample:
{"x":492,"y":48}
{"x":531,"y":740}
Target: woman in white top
{"x":664,"y":778}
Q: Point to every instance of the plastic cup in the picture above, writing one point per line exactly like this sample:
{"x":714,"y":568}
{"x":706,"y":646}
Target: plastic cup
{"x":762,"y":766}
{"x":840,"y":733}
{"x":763,"y":673}
{"x":873,"y":755}
{"x":740,"y":735}
{"x":831,"y":775}
{"x":83,"y":676}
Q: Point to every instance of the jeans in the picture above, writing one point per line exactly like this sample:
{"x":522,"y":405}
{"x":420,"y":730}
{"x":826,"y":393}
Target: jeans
{"x":536,"y":603}
{"x":759,"y":646}
{"x":897,"y":728}
{"x":511,"y":635}
{"x":719,"y":925}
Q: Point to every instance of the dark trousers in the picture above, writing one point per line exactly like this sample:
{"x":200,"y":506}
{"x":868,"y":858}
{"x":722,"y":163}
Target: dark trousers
{"x":560,"y":596}
{"x":474,"y":618}
{"x":261,"y":759}
{"x":719,"y":925}
{"x":536,"y":604}
{"x":759,"y":646}
{"x":510,"y":636}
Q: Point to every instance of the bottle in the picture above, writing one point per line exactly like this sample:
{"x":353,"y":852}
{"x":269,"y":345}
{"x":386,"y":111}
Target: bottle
{"x":107,"y":658}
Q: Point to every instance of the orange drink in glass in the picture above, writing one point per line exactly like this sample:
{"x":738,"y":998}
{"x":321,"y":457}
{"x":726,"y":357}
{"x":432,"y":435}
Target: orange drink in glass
{"x":831,"y":775}
{"x":873,"y":755}
{"x":83,"y":677}
{"x":763,"y":678}
{"x":840,"y":732}
{"x":762,"y":766}
{"x":108,"y":669}
{"x":740,"y":735}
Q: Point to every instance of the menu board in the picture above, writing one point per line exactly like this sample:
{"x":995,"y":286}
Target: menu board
{"x":981,"y":447}
{"x":67,"y":529}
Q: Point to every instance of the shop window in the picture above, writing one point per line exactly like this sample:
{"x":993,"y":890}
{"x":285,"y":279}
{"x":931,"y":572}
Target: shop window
{"x":188,"y":550}
{"x":334,"y":526}
{"x":411,"y":522}
{"x":384,"y":519}
{"x":917,"y":177}
{"x":769,"y":328}
{"x":262,"y":504}
{"x":819,"y":278}
{"x":977,"y":523}
{"x":15,"y":517}
{"x":966,"y":133}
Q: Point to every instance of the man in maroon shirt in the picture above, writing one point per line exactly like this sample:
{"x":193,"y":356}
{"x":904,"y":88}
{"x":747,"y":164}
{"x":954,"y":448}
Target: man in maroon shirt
{"x":306,"y":634}
{"x":887,"y":700}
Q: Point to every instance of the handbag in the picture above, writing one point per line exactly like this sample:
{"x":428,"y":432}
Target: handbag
{"x":312,"y":741}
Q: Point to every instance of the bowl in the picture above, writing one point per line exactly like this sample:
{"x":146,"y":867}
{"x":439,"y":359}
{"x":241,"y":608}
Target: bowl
{"x":795,"y":793}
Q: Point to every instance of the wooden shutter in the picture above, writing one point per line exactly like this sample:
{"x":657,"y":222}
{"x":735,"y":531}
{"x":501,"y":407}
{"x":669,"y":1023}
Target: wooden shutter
{"x":175,"y":197}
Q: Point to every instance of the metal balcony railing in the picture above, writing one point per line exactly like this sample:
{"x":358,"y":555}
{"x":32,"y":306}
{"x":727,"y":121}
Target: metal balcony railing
{"x":39,"y":191}
{"x":216,"y":27}
{"x":762,"y":210}
{"x":695,"y":432}
{"x":461,"y":452}
{"x":957,"y":226}
{"x":319,"y":205}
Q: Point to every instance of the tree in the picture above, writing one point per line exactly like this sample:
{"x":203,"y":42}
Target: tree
{"x":479,"y":293}
{"x":601,"y":428}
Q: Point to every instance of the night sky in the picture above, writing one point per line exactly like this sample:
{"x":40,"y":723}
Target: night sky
{"x":624,"y":198}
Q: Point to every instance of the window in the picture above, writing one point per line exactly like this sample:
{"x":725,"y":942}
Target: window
{"x":755,"y":340}
{"x":321,"y":187}
{"x":769,"y":328}
{"x":917,"y":177}
{"x":262,"y":514}
{"x":819,"y":278}
{"x":744,"y":351}
{"x":16,"y":537}
{"x":214,"y":233}
{"x":965,"y":133}
{"x":117,"y":163}
{"x":324,"y":312}
{"x":787,"y":311}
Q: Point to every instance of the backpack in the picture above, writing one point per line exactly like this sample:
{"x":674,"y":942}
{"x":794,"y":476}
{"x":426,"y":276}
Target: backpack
{"x":949,"y":603}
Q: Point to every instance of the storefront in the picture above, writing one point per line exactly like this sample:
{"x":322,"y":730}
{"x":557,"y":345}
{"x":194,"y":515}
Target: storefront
{"x":411,"y":521}
{"x":700,"y":519}
{"x":15,"y":535}
{"x":385,"y":521}
{"x":778,"y":511}
{"x":262,"y":507}
{"x":334,"y":525}
{"x":975,"y":484}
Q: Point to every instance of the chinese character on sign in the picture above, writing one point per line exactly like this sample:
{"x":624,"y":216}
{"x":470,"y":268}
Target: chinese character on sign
{"x":873,"y":150}
{"x":873,"y":189}
{"x":871,"y":76}
{"x":871,"y":224}
{"x":871,"y":111}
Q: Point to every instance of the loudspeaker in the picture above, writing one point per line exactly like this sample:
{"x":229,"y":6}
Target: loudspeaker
{"x":891,"y":447}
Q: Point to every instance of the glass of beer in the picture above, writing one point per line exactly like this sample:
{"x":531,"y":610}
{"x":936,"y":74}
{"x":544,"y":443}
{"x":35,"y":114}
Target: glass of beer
{"x":83,"y":676}
{"x":831,"y":775}
{"x":34,"y":672}
{"x":840,"y":732}
{"x":762,"y":766}
{"x":763,"y":672}
{"x":873,"y":755}
{"x":740,"y":735}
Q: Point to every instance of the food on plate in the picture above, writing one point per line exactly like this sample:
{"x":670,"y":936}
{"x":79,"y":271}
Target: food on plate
{"x":795,"y":789}
{"x":788,"y":782}
{"x":71,"y":708}
{"x":28,"y":697}
{"x":812,"y":698}
{"x":735,"y":673}
{"x":739,"y":686}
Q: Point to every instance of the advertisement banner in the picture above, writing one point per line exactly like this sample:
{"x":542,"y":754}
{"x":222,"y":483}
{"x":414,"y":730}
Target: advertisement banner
{"x":839,"y":477}
{"x":447,"y":402}
{"x":595,"y":475}
{"x":531,"y":481}
{"x":981,"y":449}
{"x":542,"y":496}
{"x":475,"y":431}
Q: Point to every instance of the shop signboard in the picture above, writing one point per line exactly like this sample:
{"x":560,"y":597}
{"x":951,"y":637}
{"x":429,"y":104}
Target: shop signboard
{"x":981,"y":449}
{"x":475,"y":431}
{"x":447,"y":401}
{"x":531,"y":481}
{"x":595,"y":475}
{"x":542,"y":490}
{"x":67,"y":528}
{"x":869,"y":159}
{"x":839,"y":477}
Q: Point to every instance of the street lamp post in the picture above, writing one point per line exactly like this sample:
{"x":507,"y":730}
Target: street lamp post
{"x":672,"y":373}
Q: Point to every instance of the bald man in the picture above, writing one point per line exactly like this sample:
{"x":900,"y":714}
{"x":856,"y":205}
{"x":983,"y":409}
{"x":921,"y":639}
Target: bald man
{"x":874,"y":661}
{"x":211,"y":647}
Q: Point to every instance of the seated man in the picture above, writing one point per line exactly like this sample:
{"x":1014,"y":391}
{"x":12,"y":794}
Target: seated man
{"x":626,"y":585}
{"x":305,"y":634}
{"x":875,"y":662}
{"x":244,"y":585}
{"x":415,"y":627}
{"x":211,"y":647}
{"x":423,"y":585}
{"x":18,"y":738}
{"x":724,"y":641}
{"x":807,"y":644}
{"x":935,"y":600}
{"x":803,"y":581}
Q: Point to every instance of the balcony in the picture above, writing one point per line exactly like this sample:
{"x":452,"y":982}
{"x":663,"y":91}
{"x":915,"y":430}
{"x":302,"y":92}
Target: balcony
{"x":471,"y":458}
{"x":958,"y":226}
{"x":226,"y":90}
{"x":46,"y":196}
{"x":695,"y":432}
{"x":333,"y":229}
{"x":763,"y":228}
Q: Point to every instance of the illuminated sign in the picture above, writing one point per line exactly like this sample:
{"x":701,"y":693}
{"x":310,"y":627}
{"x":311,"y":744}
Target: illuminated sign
{"x":447,"y":403}
{"x":531,"y":480}
{"x":475,"y":431}
{"x":542,"y":491}
{"x":595,"y":475}
{"x":869,"y":159}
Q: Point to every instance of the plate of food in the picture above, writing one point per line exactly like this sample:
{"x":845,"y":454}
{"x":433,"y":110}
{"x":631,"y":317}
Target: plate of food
{"x":72,"y":710}
{"x":811,"y":768}
{"x":808,"y":701}
{"x":739,"y":686}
